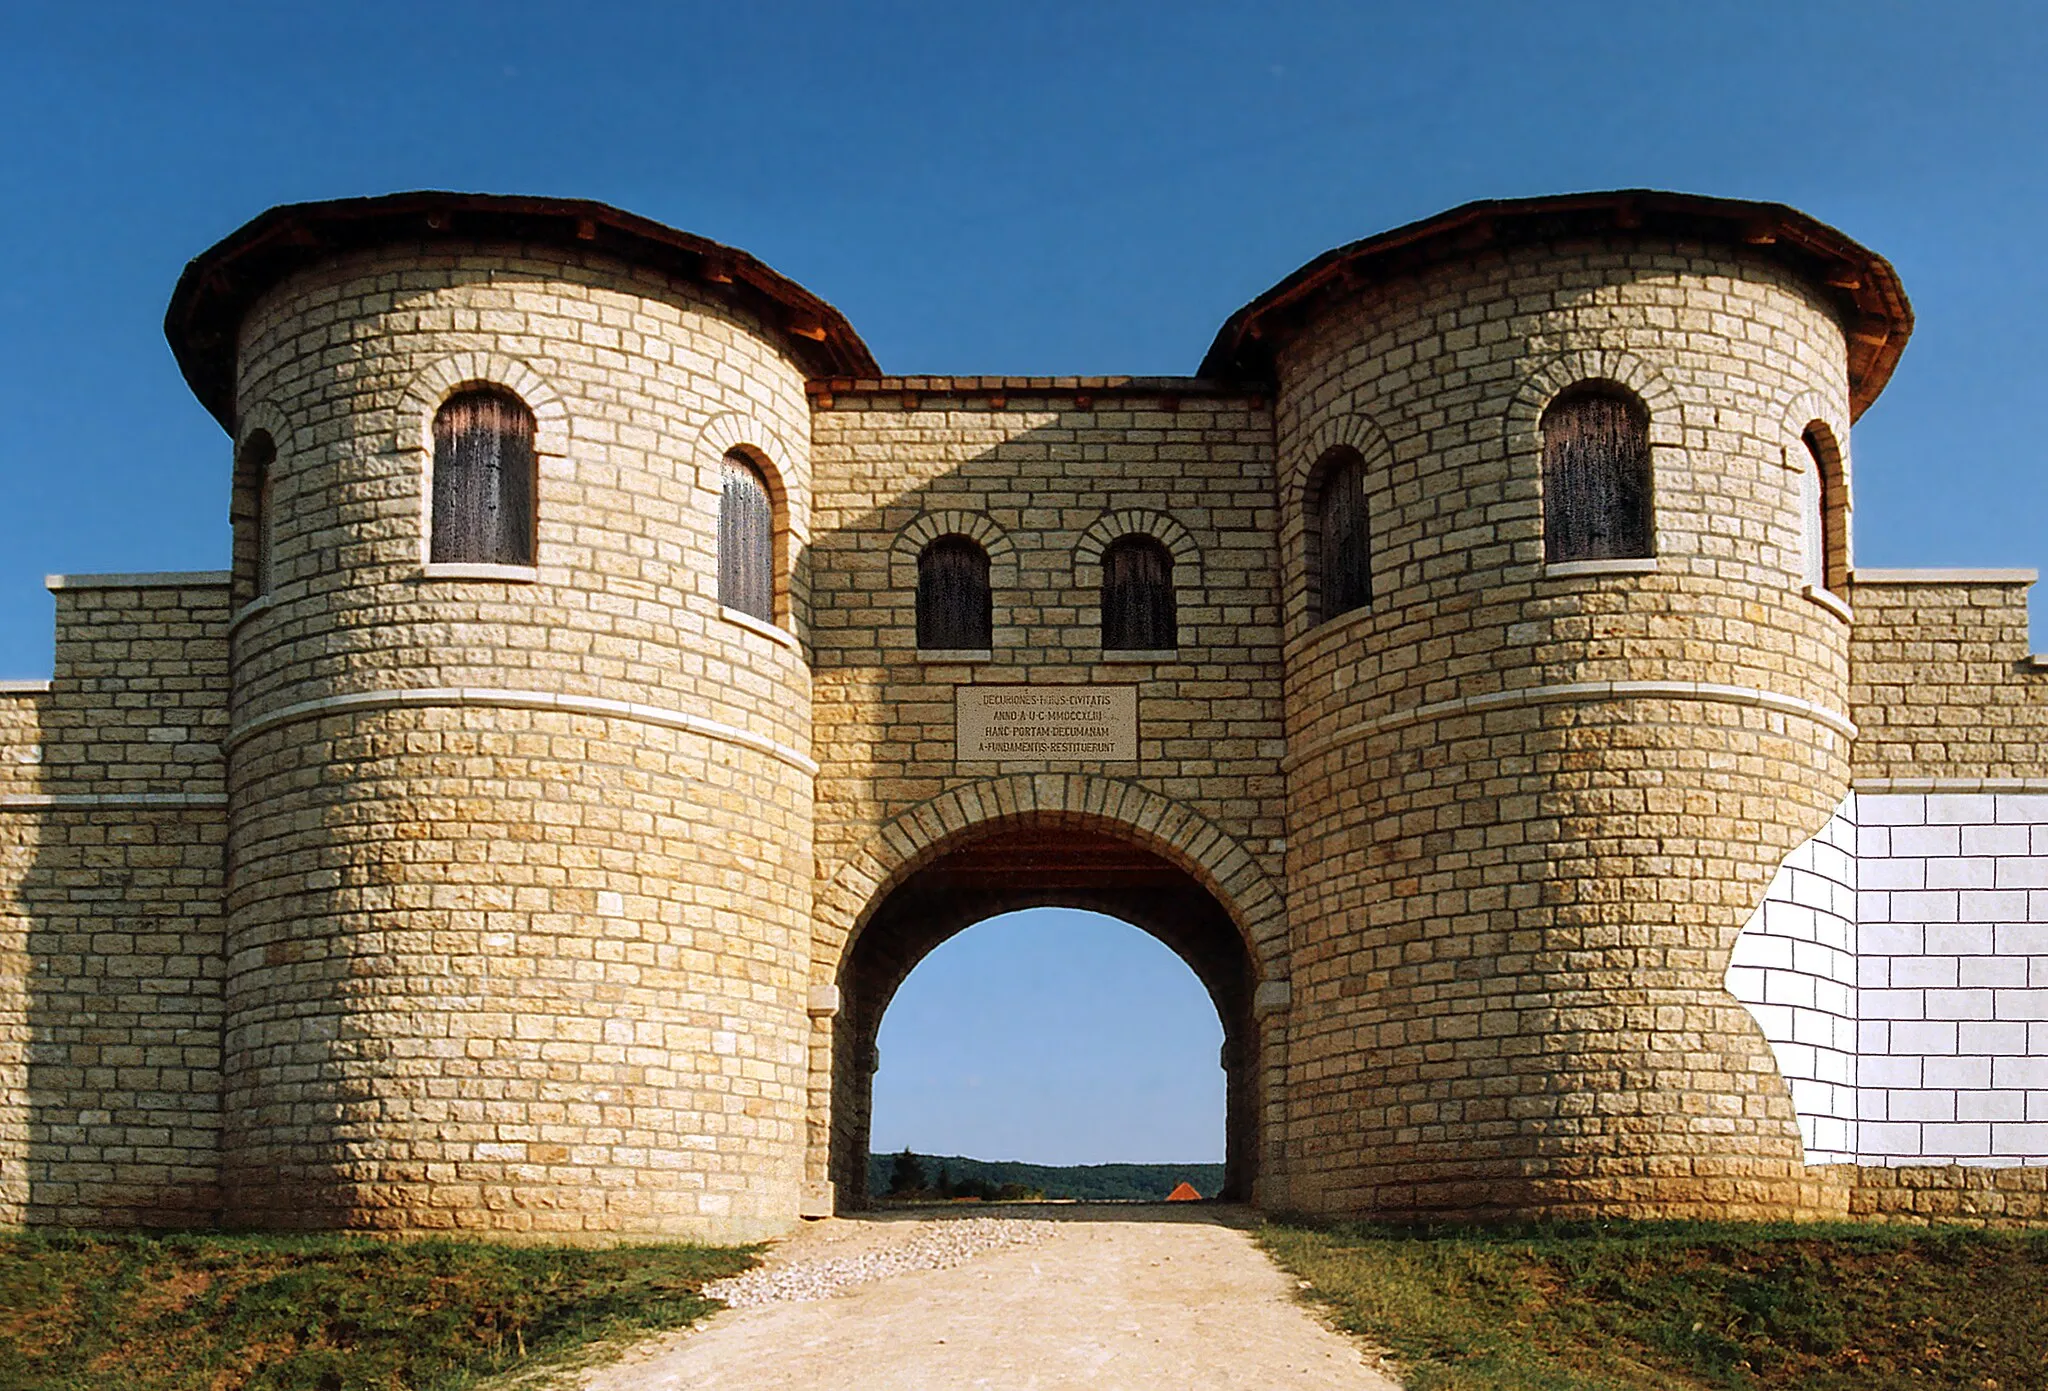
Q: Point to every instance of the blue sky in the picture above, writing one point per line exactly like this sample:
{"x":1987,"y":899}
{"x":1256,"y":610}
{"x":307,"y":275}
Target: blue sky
{"x":1081,"y":188}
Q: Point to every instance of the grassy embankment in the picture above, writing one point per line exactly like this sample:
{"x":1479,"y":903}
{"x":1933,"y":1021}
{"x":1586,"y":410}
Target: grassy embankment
{"x":1684,"y":1307}
{"x":85,"y":1312}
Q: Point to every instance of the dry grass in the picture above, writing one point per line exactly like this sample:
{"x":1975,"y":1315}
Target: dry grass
{"x":323,"y":1313}
{"x":1672,"y":1307}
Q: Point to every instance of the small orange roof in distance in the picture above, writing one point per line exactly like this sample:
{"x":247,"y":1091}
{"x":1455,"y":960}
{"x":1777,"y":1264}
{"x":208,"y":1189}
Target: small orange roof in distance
{"x":1184,"y":1194}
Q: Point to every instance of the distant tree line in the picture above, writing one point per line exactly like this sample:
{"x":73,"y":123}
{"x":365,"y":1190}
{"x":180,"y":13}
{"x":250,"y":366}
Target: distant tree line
{"x":907,"y":1179}
{"x":911,"y":1175}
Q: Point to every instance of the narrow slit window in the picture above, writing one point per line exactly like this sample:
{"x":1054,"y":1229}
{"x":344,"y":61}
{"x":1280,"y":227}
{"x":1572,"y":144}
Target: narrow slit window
{"x":1137,"y":597}
{"x":954,"y":608}
{"x":1343,"y":560}
{"x":1813,"y":509}
{"x":1826,"y":555}
{"x":484,"y":482}
{"x":746,"y":541}
{"x":259,"y":462}
{"x":1596,"y":476}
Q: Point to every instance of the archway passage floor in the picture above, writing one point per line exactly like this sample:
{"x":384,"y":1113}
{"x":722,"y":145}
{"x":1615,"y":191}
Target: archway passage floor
{"x":1107,"y":1296}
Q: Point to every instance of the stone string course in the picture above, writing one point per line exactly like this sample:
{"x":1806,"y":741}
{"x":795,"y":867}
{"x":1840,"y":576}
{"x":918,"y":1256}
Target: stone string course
{"x":560,"y":903}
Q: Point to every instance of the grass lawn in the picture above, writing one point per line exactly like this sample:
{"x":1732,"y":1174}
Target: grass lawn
{"x":90,"y":1312}
{"x":1682,"y":1306}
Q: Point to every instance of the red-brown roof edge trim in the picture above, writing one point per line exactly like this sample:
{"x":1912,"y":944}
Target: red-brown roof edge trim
{"x":1877,"y":317}
{"x":221,"y":283}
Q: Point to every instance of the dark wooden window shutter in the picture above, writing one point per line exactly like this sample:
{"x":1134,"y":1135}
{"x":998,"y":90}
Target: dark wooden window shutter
{"x":1596,"y":477}
{"x":483,"y":481}
{"x":954,"y":609}
{"x":1137,"y":596}
{"x":1344,"y":575}
{"x":746,"y":542}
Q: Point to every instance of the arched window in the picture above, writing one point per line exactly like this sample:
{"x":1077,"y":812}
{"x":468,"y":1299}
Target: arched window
{"x":1827,"y":557}
{"x":259,"y":465}
{"x":1137,"y":596}
{"x":746,"y":541}
{"x":1596,"y":475}
{"x":1340,"y":575}
{"x":483,"y":481}
{"x":954,"y":610}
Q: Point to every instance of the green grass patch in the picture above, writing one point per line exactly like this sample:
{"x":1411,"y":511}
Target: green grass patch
{"x":85,"y":1312}
{"x":1675,"y":1306}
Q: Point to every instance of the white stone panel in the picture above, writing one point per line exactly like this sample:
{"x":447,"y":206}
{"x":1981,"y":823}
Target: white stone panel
{"x":1953,"y":1010}
{"x":1795,"y":968}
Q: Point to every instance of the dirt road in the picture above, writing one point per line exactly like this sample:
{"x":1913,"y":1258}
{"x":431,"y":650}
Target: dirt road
{"x":1100,"y":1297}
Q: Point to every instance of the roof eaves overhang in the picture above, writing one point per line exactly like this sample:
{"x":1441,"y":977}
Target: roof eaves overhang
{"x":221,"y":284}
{"x":1865,"y":290}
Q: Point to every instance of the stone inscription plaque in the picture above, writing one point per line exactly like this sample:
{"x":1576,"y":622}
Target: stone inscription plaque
{"x":1040,"y":722}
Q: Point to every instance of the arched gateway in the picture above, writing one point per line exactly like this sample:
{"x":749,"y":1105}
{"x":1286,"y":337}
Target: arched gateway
{"x":1025,"y":842}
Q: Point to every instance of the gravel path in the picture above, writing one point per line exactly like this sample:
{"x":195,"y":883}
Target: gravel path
{"x":802,"y":1275}
{"x":1112,"y":1298}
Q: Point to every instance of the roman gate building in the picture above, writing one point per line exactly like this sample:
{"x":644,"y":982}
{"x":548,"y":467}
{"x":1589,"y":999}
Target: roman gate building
{"x":618,"y":684}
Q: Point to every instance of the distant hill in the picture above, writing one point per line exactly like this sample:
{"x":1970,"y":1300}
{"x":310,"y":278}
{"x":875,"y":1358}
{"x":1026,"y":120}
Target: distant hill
{"x":1092,"y":1182}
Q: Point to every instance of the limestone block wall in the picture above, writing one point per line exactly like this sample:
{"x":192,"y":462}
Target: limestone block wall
{"x":519,"y":914}
{"x":1796,"y":967}
{"x":112,"y":818}
{"x":1043,"y":473}
{"x":1945,"y":692}
{"x":1531,"y":809}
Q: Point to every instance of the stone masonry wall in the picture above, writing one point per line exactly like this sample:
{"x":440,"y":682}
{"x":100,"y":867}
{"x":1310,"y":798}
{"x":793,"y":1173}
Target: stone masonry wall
{"x":519,"y":922}
{"x":1042,"y":474}
{"x":112,"y":817}
{"x":1531,"y":808}
{"x":1945,"y":694}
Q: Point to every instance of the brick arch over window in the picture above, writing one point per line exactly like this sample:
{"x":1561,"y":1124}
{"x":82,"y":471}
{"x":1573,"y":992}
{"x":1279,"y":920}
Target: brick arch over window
{"x":439,"y":380}
{"x":1339,"y":430}
{"x":1173,"y":831}
{"x":977,"y":527}
{"x":1523,"y":423}
{"x":730,"y":431}
{"x":1136,"y":521}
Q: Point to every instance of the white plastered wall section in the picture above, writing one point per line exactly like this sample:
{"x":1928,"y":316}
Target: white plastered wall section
{"x":1794,"y":966}
{"x":1913,"y":1027}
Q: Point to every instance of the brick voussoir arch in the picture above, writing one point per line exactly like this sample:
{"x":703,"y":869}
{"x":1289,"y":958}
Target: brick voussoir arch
{"x":1176,"y":832}
{"x":265,"y":416}
{"x":977,"y":527}
{"x":413,"y":428}
{"x":728,"y":431}
{"x":1523,"y":422}
{"x":1120,"y":522}
{"x":1802,"y":412}
{"x":1340,"y":429}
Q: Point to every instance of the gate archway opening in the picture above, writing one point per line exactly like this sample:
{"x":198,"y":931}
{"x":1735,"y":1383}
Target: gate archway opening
{"x":998,"y":869}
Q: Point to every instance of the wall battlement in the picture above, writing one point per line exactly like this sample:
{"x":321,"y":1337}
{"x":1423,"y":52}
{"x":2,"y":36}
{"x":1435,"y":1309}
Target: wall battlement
{"x":556,"y":883}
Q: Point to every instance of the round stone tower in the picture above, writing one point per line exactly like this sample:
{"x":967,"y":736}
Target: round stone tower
{"x":1535,"y":793}
{"x":520,"y":833}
